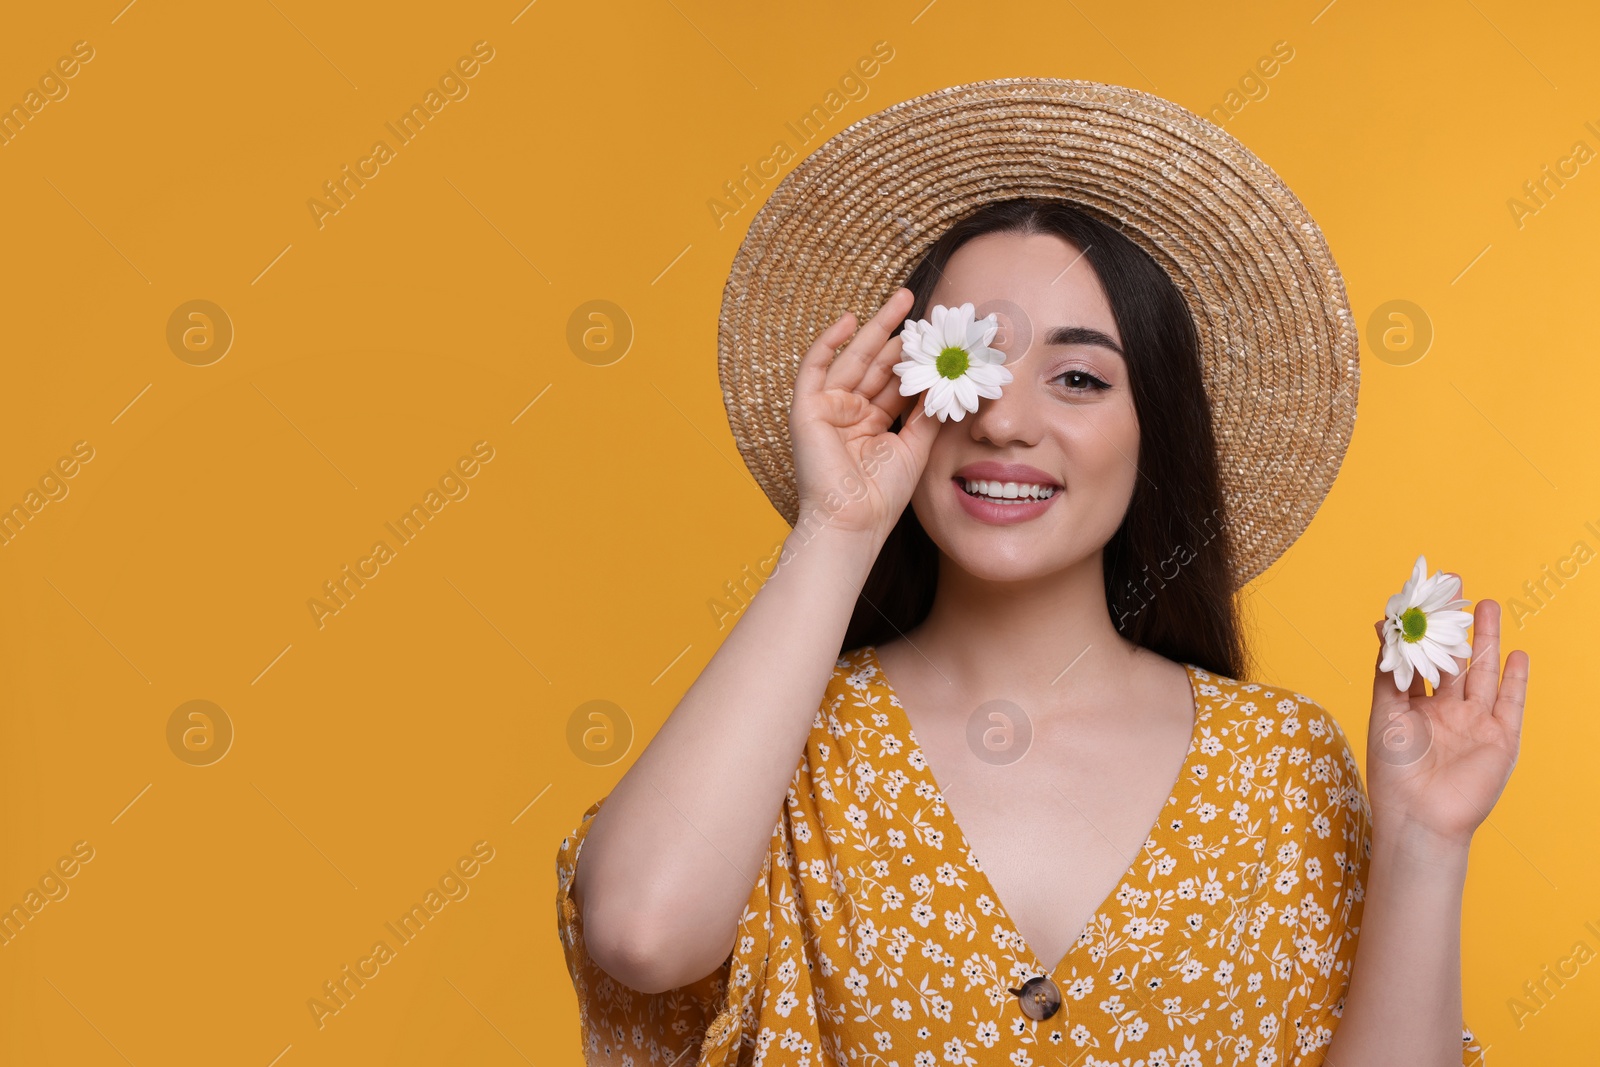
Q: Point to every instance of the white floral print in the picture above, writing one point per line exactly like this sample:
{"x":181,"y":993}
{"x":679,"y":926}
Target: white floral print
{"x":873,"y":937}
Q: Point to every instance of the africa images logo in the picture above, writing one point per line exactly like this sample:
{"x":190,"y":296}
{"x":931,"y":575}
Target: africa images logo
{"x":452,"y":85}
{"x":453,"y":885}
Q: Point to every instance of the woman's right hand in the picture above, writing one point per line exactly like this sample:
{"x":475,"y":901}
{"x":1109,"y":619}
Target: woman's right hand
{"x":851,"y":473}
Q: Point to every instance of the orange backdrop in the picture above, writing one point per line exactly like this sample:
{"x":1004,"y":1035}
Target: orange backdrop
{"x":287,"y":281}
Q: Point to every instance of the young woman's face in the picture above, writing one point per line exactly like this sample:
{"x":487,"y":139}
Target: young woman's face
{"x":1068,"y":413}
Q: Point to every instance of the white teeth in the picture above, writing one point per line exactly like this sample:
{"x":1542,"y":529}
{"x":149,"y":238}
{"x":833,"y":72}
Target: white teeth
{"x":1009,"y":490}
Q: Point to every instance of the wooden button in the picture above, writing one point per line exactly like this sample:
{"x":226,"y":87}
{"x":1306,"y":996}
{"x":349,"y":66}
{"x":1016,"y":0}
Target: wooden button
{"x":1039,"y":997}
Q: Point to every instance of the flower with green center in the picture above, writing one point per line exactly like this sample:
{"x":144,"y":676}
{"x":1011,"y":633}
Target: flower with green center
{"x":950,"y":357}
{"x":1422,"y":630}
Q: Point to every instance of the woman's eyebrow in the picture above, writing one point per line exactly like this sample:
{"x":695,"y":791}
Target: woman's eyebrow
{"x":1080,"y":335}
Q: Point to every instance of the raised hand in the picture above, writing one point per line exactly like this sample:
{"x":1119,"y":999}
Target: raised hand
{"x":850,"y":471}
{"x":1436,"y":763}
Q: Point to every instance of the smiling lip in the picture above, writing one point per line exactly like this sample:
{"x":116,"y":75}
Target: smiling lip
{"x":994,"y":514}
{"x":990,"y":471}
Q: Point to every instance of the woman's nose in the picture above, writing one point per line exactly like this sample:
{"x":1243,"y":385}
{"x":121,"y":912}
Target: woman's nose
{"x":1006,"y":418}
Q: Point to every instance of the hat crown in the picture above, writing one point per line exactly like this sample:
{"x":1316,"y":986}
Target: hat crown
{"x":1278,"y":343}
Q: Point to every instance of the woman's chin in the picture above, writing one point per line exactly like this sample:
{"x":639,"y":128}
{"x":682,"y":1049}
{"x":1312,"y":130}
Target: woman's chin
{"x":1016,"y":563}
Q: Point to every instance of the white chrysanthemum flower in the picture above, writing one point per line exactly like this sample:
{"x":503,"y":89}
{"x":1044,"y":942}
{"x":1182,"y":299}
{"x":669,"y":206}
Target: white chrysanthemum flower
{"x":1422,"y":630}
{"x":950,"y":357}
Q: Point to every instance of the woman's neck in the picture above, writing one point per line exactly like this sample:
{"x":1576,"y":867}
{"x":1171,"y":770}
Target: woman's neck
{"x":1048,"y":635}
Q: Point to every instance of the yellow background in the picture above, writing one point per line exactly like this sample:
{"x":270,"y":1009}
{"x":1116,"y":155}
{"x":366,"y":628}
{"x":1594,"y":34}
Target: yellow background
{"x":432,"y":312}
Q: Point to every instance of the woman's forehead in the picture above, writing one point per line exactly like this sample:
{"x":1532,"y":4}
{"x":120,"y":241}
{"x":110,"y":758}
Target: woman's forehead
{"x":1041,"y":278}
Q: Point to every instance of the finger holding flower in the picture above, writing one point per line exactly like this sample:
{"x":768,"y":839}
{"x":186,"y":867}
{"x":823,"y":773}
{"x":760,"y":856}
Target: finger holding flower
{"x":1437,"y":762}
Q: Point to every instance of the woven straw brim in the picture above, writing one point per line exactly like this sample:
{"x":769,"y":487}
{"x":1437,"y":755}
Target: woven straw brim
{"x":843,"y":229}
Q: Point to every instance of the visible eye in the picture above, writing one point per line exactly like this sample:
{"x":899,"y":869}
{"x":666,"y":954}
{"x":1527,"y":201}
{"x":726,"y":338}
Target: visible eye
{"x":1083,"y":381}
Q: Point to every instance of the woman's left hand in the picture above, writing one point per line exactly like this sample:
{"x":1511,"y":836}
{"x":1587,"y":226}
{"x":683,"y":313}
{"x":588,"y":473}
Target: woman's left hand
{"x":1436,"y":763}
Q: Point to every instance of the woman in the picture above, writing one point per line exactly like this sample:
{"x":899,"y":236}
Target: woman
{"x":1175,"y":864}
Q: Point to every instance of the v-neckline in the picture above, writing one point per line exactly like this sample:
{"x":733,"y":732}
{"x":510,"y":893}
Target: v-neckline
{"x":965,"y":844}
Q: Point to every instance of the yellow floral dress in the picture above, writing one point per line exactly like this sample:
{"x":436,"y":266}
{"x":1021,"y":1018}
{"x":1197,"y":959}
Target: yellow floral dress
{"x":873,"y":936}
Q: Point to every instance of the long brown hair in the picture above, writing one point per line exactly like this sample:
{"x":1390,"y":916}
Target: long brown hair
{"x":1169,"y":566}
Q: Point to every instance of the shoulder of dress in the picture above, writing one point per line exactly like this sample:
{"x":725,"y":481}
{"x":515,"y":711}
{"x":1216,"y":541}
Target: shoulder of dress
{"x":1258,"y":691}
{"x":853,"y":658}
{"x":853,"y":670}
{"x":856,"y":684}
{"x":1281,"y":713}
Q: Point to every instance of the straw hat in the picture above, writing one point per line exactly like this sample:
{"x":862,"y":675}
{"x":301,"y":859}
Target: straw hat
{"x":844,"y":228}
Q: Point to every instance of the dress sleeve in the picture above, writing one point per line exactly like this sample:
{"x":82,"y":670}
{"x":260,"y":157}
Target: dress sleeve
{"x":701,"y":1024}
{"x":1331,"y":821}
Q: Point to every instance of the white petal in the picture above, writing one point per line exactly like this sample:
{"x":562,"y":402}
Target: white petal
{"x":989,"y":375}
{"x":919,"y":345}
{"x":916,"y":379}
{"x":1423,"y":665}
{"x":990,"y":391}
{"x":1446,"y":639}
{"x":980,"y":332}
{"x":1402,"y":674}
{"x":1440,"y":594}
{"x":967,"y":393}
{"x":1407,"y":596}
{"x":989,"y":357}
{"x":954,"y":333}
{"x":1437,"y":655}
{"x":941,"y":398}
